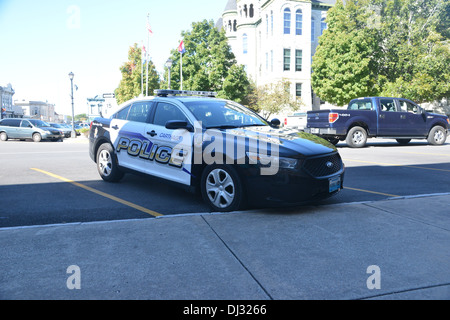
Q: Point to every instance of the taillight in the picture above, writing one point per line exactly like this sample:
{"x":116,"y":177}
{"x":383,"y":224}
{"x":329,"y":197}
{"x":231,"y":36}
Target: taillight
{"x":332,"y":117}
{"x":285,"y":121}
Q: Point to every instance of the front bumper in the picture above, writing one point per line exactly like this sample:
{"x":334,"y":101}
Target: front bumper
{"x":289,"y":187}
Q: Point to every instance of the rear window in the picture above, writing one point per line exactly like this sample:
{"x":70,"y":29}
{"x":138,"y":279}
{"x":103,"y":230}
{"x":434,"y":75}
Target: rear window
{"x":360,"y":105}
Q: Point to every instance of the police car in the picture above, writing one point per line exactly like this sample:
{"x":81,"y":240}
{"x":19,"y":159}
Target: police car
{"x":217,"y":147}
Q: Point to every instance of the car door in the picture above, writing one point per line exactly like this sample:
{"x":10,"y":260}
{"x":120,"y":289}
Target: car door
{"x":412,"y":122}
{"x":127,"y":133}
{"x":388,"y":117}
{"x":171,"y":151}
{"x":12,"y":127}
{"x":26,"y":130}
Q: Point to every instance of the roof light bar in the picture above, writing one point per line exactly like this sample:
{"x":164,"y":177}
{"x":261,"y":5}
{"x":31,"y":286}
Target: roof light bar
{"x":165,"y":93}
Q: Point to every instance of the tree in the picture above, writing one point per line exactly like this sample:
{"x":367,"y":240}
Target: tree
{"x":415,"y":52}
{"x":273,"y":98}
{"x":208,"y":63}
{"x":343,"y":65}
{"x":384,"y":47}
{"x":130,"y":85}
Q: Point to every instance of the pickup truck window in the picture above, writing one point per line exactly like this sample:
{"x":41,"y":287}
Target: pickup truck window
{"x":406,"y":106}
{"x":387,"y":105}
{"x":360,"y":105}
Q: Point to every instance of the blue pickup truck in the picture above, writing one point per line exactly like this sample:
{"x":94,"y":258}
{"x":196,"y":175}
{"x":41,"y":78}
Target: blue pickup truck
{"x":378,"y":117}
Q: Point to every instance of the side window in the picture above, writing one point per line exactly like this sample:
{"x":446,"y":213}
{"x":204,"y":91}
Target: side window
{"x":122,"y":114}
{"x":25,"y":124}
{"x":387,"y":105}
{"x":406,"y":106}
{"x":11,"y":122}
{"x":139,"y":111}
{"x":166,"y":112}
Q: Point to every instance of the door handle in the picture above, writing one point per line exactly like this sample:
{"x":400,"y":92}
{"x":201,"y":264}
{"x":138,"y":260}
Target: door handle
{"x":402,"y":116}
{"x":382,"y":116}
{"x":116,"y":127}
{"x":152,"y":133}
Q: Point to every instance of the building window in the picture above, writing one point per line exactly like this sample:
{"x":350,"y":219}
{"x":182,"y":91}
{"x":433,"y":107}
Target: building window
{"x":267,"y":61}
{"x":267,"y":25}
{"x":313,"y":29}
{"x":271,"y":60}
{"x":298,"y":60}
{"x":298,"y":90}
{"x":287,"y":60}
{"x":245,"y":43}
{"x":298,"y":22}
{"x":323,"y":26}
{"x":252,"y":11}
{"x":287,"y":21}
{"x":271,"y":23}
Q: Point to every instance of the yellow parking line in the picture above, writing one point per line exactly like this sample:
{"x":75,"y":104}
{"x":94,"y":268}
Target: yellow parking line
{"x":103,"y":194}
{"x":367,"y":191}
{"x":396,"y":165}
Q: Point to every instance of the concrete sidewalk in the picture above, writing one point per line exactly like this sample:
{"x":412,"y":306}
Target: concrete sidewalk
{"x":341,"y":251}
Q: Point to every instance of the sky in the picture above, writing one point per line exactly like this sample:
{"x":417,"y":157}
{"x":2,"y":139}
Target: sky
{"x":42,"y":41}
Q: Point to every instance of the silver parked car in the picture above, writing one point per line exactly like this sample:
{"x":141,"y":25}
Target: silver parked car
{"x":65,"y":129}
{"x":28,"y":129}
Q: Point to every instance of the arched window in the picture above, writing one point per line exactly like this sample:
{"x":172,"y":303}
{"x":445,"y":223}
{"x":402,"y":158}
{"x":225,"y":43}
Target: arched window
{"x":298,"y":22}
{"x":271,"y":23}
{"x":313,"y":29}
{"x":252,"y":11}
{"x":244,"y":43}
{"x":287,"y":21}
{"x":235,"y":25}
{"x":323,"y":26}
{"x":245,"y":10}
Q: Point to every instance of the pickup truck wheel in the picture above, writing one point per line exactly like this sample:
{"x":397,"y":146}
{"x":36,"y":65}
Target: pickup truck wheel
{"x":107,"y":165}
{"x":437,"y":135}
{"x":222,"y":188}
{"x":356,"y":137}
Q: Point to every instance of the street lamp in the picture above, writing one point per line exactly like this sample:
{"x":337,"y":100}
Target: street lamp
{"x":169,"y":63}
{"x":74,"y":134}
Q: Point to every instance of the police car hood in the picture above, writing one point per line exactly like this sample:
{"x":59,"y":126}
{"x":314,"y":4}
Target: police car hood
{"x":291,"y":143}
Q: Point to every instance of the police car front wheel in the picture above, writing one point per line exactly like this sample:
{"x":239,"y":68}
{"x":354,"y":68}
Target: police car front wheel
{"x":107,"y":164}
{"x":222,"y":188}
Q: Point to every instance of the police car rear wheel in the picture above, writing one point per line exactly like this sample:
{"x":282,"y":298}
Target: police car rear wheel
{"x":107,"y":164}
{"x":222,"y":188}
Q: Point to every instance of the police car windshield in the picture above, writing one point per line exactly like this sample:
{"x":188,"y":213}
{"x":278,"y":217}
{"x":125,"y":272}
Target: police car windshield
{"x":224,"y":114}
{"x":39,"y":123}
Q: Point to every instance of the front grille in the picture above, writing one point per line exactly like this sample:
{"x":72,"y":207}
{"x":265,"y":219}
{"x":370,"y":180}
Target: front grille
{"x":323,"y":166}
{"x":54,"y":132}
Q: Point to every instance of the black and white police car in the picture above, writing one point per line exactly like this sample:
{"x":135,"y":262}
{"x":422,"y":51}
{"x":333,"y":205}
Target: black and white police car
{"x":217,"y":147}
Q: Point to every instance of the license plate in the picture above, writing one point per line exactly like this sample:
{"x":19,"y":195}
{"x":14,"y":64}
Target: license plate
{"x":335,"y":184}
{"x":314,"y":130}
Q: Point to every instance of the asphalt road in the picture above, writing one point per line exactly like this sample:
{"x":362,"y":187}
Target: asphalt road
{"x":56,"y":182}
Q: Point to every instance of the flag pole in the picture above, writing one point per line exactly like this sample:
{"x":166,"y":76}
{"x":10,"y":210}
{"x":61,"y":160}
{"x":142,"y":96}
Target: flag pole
{"x":142,"y":69}
{"x":181,"y":69}
{"x":148,"y":47}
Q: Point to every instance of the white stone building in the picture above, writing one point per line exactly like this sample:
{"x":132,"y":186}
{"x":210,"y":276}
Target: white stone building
{"x":276,"y":39}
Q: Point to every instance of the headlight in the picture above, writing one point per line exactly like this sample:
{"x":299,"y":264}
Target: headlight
{"x":265,"y":160}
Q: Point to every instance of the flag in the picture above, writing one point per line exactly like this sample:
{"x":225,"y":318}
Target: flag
{"x":144,"y":55}
{"x":149,"y":29}
{"x":181,"y":48}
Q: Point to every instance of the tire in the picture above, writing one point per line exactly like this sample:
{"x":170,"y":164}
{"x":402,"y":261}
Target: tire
{"x":37,"y":137}
{"x":107,"y":165}
{"x":403,"y":142}
{"x":356,"y":137}
{"x":221,"y":188}
{"x":3,"y":136}
{"x":437,"y":136}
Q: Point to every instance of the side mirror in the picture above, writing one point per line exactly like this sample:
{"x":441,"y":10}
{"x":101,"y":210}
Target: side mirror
{"x":275,"y":122}
{"x":179,"y":124}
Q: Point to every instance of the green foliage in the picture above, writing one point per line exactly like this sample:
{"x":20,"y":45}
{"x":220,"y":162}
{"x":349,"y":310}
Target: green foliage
{"x":130,"y":85}
{"x":208,"y":64}
{"x":273,"y":98}
{"x":384,"y":47}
